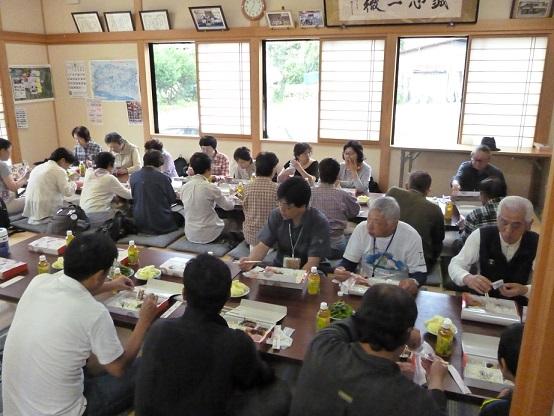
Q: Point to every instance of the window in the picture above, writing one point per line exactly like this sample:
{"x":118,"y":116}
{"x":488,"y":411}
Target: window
{"x":3,"y":128}
{"x":291,"y":75}
{"x":351,"y":89}
{"x":429,"y":91}
{"x":224,"y":87}
{"x":503,"y":90}
{"x":174,"y":88}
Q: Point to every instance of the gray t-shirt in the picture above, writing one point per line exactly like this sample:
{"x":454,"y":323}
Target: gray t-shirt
{"x":310,"y":238}
{"x":5,"y":193}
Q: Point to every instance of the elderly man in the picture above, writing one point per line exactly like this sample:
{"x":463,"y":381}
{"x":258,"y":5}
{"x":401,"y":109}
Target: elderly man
{"x":472,"y":172}
{"x":425,"y":216}
{"x":384,"y":246}
{"x":505,"y":251}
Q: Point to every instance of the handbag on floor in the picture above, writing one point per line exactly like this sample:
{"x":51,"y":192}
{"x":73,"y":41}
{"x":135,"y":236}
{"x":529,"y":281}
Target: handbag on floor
{"x":71,"y":217}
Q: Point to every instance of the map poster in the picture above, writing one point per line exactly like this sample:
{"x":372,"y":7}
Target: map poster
{"x":134,"y":112}
{"x":115,"y":80}
{"x":31,"y":83}
{"x":76,"y":76}
{"x":94,"y":111}
{"x":21,"y":119}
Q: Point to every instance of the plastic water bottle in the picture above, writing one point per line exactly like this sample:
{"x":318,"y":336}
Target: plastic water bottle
{"x":132,"y":254}
{"x":323,"y":319}
{"x":43,"y":265}
{"x":69,"y":237}
{"x":4,"y":243}
{"x":313,"y":281}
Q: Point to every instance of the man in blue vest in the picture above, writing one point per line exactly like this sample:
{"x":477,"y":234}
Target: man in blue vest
{"x":505,"y":251}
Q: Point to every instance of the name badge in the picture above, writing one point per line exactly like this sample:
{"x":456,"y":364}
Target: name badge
{"x":291,"y":262}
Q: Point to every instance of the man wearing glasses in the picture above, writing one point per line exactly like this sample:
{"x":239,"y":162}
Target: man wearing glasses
{"x":505,"y":251}
{"x":472,"y":172}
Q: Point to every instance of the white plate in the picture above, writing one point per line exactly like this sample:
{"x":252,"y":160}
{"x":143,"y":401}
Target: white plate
{"x":246,"y":292}
{"x":156,"y":276}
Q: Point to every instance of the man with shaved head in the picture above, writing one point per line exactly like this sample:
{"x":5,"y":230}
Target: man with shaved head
{"x":383,"y":246}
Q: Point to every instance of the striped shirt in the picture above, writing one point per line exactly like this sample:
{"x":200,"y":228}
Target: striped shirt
{"x":479,"y":217}
{"x":337,"y":205}
{"x":82,"y":154}
{"x":260,"y":198}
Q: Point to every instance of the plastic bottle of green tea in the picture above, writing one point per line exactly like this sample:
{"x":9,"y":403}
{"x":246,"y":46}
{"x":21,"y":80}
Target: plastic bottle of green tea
{"x":43,"y":266}
{"x":323,"y":319}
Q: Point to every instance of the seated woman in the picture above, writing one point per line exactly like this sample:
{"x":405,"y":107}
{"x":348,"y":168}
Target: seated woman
{"x":244,"y":166}
{"x":302,"y":165}
{"x":99,"y":189}
{"x":127,"y":157}
{"x":168,"y":168}
{"x":48,"y":184}
{"x":354,"y":172}
{"x":9,"y":186}
{"x":86,"y":149}
{"x":152,"y":197}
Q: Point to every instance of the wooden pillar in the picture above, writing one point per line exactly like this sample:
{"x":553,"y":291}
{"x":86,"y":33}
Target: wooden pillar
{"x":534,"y":392}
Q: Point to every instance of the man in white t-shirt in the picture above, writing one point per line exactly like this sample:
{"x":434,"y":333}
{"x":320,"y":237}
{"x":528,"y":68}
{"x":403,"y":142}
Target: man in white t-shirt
{"x":385,"y":246}
{"x":58,"y":325}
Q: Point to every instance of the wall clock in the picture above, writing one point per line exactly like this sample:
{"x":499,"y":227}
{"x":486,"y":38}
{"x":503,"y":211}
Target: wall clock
{"x":253,"y":9}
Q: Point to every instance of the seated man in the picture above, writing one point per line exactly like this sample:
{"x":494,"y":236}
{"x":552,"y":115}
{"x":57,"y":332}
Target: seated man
{"x":99,"y":189}
{"x":383,"y":246}
{"x":300,"y":232}
{"x":472,"y":172}
{"x":260,"y":197}
{"x":152,"y":197}
{"x":425,"y":216}
{"x":220,"y":162}
{"x":244,"y":166}
{"x":48,"y":185}
{"x":199,"y":197}
{"x":491,"y":191}
{"x":505,"y":251}
{"x":196,"y":365}
{"x":168,"y":168}
{"x":335,"y":203}
{"x":58,"y":325}
{"x":86,"y":149}
{"x":127,"y":157}
{"x":351,"y":366}
{"x":508,"y":356}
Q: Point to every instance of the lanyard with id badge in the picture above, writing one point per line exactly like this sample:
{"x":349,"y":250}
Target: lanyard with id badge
{"x":293,"y":262}
{"x":377,"y":263}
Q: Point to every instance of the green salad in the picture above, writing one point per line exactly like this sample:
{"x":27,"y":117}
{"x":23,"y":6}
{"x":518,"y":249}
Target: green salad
{"x":340,"y":310}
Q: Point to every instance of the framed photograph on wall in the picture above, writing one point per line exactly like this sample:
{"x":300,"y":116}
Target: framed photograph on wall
{"x":155,"y":20}
{"x":208,"y":18}
{"x":281,"y":19}
{"x":529,"y":9}
{"x":339,"y":13}
{"x":87,"y":22}
{"x":310,"y":18}
{"x":119,"y":21}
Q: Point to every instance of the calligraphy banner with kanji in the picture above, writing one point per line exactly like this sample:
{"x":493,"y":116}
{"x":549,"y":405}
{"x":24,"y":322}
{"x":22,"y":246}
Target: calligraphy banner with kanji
{"x":382,"y":12}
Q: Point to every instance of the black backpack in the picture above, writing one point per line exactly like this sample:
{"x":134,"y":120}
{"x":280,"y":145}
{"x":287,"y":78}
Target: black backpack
{"x":373,"y":186}
{"x":71,"y":217}
{"x":118,"y":227}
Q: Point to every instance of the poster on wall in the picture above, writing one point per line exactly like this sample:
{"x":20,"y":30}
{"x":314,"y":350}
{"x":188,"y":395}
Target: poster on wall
{"x":21,"y":120}
{"x":76,"y":75}
{"x":134,"y":112}
{"x":115,"y":80}
{"x":31,"y":83}
{"x":94,"y":111}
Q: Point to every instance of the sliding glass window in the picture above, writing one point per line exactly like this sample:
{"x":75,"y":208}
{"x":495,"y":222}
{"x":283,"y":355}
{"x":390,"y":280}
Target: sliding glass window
{"x":430,"y":77}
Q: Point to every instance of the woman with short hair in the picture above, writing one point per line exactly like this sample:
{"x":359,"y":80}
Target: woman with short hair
{"x":99,"y":189}
{"x":8,"y":184}
{"x":302,"y":165}
{"x":354,"y":171}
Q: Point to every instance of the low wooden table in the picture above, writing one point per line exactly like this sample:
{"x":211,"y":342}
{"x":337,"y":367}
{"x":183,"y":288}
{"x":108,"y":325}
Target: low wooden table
{"x":301,"y":310}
